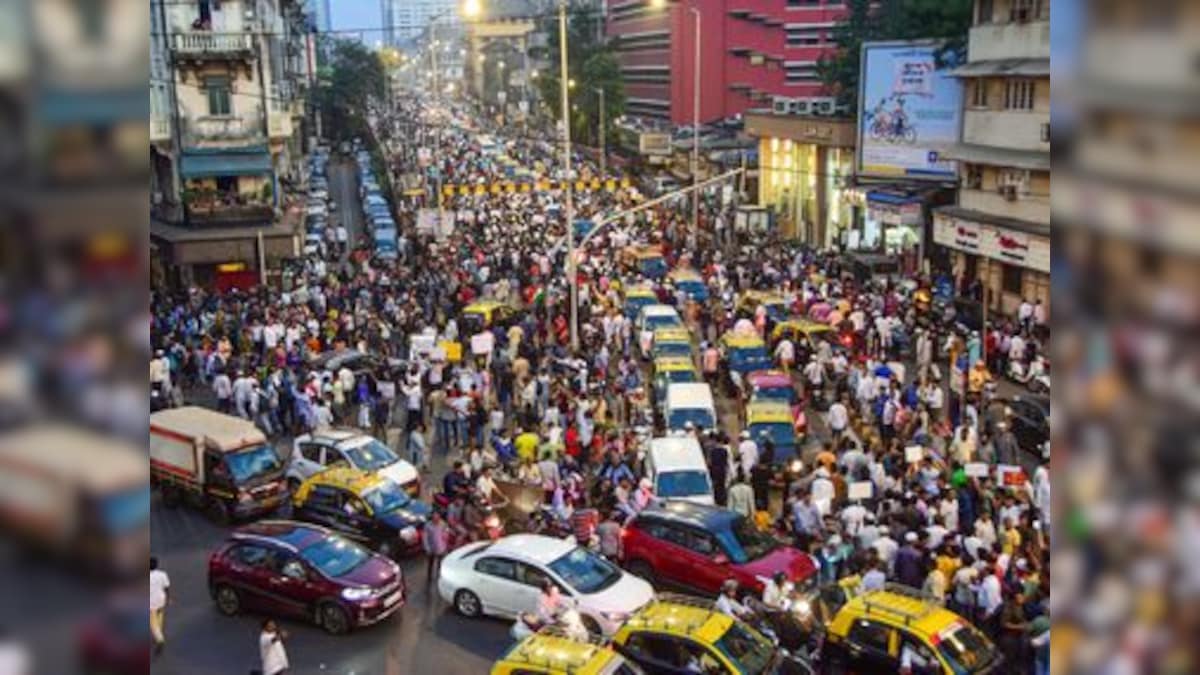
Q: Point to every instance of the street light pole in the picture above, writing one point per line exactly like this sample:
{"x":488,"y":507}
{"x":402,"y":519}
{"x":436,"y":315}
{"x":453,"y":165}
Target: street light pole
{"x":563,"y":83}
{"x":603,"y":146}
{"x":696,"y":123}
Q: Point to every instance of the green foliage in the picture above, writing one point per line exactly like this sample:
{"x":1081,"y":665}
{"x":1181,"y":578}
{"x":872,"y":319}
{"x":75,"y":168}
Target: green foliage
{"x":593,"y":65}
{"x":946,"y":20}
{"x":354,"y":79}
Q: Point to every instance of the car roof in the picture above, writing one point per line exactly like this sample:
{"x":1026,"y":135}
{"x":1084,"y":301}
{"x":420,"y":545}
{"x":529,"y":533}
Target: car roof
{"x":287,"y":533}
{"x":483,"y":305}
{"x":640,"y":292}
{"x":920,"y":615}
{"x":693,"y":619}
{"x":685,"y":274}
{"x":559,"y":653}
{"x":332,"y":435}
{"x":689,"y":513}
{"x":659,"y":310}
{"x":674,"y":453}
{"x":805,"y":325}
{"x":536,"y":547}
{"x":742,"y":340}
{"x":354,"y":480}
{"x":768,"y":411}
{"x":689,"y":394}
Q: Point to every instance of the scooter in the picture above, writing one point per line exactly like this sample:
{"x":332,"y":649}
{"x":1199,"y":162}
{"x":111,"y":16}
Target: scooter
{"x":567,"y":620}
{"x":1035,"y":376}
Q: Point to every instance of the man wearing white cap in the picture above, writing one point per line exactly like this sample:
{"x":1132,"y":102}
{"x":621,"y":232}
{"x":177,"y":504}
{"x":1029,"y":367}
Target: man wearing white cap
{"x":747,"y":452}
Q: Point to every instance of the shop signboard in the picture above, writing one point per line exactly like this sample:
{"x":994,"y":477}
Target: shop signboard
{"x":654,"y":144}
{"x":908,"y":109}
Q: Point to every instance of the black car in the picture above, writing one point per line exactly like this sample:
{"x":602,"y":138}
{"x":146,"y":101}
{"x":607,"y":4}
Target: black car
{"x":365,"y":507}
{"x":1029,"y":417}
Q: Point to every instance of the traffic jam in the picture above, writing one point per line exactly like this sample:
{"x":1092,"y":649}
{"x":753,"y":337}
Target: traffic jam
{"x":710,"y":451}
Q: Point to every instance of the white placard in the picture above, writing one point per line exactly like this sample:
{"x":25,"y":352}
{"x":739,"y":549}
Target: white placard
{"x":482,"y":343}
{"x":422,"y":345}
{"x":387,"y":391}
{"x":977,"y":469}
{"x":861,"y":490}
{"x":914,"y":454}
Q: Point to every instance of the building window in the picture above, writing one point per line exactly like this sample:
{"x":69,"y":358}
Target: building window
{"x":1011,"y":278}
{"x":218,"y":96}
{"x":985,"y":12}
{"x":979,"y":93}
{"x":1018,"y":95}
{"x":973,"y":180}
{"x":1021,"y":11}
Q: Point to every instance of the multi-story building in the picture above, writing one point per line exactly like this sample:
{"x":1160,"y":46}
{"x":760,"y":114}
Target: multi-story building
{"x":752,"y":55}
{"x":405,"y":20}
{"x":999,"y":231}
{"x":228,"y":88}
{"x":498,"y":67}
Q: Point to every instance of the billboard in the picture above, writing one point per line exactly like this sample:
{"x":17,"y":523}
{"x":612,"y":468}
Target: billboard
{"x":654,"y":144}
{"x":907,"y":110}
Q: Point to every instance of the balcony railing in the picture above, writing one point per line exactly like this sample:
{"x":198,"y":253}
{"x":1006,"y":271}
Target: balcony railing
{"x":206,"y":43}
{"x":207,"y":130}
{"x":160,"y":127}
{"x":217,"y":213}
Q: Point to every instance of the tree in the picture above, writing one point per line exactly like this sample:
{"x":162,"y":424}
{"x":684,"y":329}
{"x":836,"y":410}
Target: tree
{"x":592,"y":64}
{"x":946,"y":20}
{"x":353,"y":82}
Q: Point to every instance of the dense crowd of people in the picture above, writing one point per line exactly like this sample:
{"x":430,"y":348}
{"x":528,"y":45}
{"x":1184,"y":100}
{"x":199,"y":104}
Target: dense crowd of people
{"x":515,"y":405}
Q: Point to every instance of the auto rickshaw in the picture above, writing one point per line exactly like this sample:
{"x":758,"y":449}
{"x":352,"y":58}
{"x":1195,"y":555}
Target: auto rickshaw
{"x":773,"y":420}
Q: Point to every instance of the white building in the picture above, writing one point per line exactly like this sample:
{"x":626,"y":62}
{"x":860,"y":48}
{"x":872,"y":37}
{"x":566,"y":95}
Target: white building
{"x":405,"y":20}
{"x":999,"y":231}
{"x":229,"y":82}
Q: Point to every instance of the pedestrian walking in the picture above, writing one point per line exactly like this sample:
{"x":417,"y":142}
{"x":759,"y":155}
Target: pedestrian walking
{"x":270,"y":649}
{"x":436,"y":540}
{"x":160,"y":586}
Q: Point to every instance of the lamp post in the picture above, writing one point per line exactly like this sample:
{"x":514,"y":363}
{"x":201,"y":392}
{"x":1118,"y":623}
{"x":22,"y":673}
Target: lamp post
{"x":696,"y":122}
{"x":564,"y":83}
{"x":603,"y":147}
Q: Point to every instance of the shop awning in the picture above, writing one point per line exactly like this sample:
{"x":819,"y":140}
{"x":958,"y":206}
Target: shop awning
{"x":225,"y":162}
{"x":992,"y":156}
{"x":1027,"y":67}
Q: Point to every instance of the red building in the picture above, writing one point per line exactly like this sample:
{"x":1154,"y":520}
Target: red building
{"x":753,"y":54}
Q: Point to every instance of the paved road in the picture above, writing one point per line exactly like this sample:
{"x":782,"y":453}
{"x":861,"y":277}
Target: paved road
{"x":343,"y":184}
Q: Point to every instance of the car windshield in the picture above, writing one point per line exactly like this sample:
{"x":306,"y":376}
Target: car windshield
{"x":701,"y":418}
{"x":661,"y":321}
{"x":125,"y":510}
{"x":386,"y":497}
{"x":965,"y":649}
{"x":747,"y":649}
{"x":780,"y":433}
{"x":743,"y":542}
{"x":672,"y":349}
{"x":785,"y":394}
{"x":334,"y":556}
{"x":691,"y":287}
{"x":246,"y":465}
{"x":683,"y":484}
{"x":777,"y":310}
{"x":585,"y":571}
{"x":371,"y":455}
{"x":680,"y":376}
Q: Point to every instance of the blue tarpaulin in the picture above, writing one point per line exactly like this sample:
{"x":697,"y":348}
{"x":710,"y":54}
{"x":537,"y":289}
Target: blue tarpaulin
{"x":224,"y":162}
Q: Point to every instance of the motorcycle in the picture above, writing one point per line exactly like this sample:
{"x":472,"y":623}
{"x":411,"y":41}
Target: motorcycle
{"x":546,"y":522}
{"x":567,"y":620}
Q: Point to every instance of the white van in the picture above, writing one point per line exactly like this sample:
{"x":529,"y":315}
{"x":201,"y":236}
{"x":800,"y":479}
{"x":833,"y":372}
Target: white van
{"x":689,"y":402}
{"x":650,"y":318}
{"x":675,"y":466}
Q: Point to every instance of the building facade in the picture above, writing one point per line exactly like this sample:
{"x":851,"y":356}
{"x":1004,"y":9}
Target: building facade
{"x":998,"y":232}
{"x":752,"y":55}
{"x":405,"y":20}
{"x":228,"y":93}
{"x":805,"y":173}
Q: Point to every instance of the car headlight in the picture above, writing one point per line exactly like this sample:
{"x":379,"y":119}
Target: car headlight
{"x":796,"y":466}
{"x":615,"y":617}
{"x":357,"y":593}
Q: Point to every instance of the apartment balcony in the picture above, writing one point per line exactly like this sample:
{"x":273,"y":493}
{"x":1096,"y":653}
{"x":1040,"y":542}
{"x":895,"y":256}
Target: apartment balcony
{"x":201,"y":44}
{"x":1022,"y":206}
{"x":218,"y":213}
{"x":1011,"y":129}
{"x":1017,"y":40}
{"x":222,"y":130}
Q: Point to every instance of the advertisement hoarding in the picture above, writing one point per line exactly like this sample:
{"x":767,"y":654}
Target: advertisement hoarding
{"x":654,"y":144}
{"x":908,"y":108}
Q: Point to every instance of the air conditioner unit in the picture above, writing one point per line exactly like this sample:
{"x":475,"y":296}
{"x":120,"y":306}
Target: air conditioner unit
{"x":1009,"y":192}
{"x":822,"y":107}
{"x":781,"y":105}
{"x":801,"y":106}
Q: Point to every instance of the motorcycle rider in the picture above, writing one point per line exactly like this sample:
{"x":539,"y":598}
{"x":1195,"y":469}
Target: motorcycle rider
{"x":475,"y":516}
{"x":728,"y":604}
{"x":777,"y":592}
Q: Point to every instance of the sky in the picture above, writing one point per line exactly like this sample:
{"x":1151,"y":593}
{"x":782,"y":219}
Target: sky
{"x":349,"y":14}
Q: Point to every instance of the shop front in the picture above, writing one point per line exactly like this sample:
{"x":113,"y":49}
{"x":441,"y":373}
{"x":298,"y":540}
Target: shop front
{"x":1008,"y":258}
{"x":806,"y":165}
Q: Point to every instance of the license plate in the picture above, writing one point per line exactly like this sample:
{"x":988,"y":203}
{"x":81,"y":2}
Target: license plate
{"x":392,"y":599}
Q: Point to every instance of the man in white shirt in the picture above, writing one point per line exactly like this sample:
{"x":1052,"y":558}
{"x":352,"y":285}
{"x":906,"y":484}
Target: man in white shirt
{"x":777,"y":591}
{"x":160,"y":584}
{"x":747,"y":452}
{"x":785,"y":354}
{"x":270,"y":649}
{"x":838,"y":418}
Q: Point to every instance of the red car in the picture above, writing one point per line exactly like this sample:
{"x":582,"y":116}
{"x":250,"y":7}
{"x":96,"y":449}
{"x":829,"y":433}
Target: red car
{"x":116,"y":640}
{"x":699,"y":547}
{"x":285,"y":568}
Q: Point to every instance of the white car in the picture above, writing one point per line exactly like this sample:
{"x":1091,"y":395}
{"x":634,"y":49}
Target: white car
{"x":649,"y":319}
{"x":504,"y":578}
{"x":313,"y":453}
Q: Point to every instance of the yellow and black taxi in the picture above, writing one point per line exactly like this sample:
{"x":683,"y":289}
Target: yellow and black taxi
{"x":646,"y":259}
{"x":365,"y":507}
{"x":670,"y":370}
{"x":637,"y":297}
{"x":806,"y":334}
{"x":680,"y":634}
{"x":776,"y":305}
{"x":671,"y":341}
{"x":485,"y":313}
{"x":545,"y":653}
{"x":874,"y":632}
{"x":690,"y":282}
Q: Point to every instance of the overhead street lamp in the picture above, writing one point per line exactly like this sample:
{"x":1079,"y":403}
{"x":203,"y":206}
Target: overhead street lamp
{"x":603,"y":146}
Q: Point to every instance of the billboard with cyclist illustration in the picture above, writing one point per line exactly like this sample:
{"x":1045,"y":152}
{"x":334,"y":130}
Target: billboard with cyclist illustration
{"x":908,"y":109}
